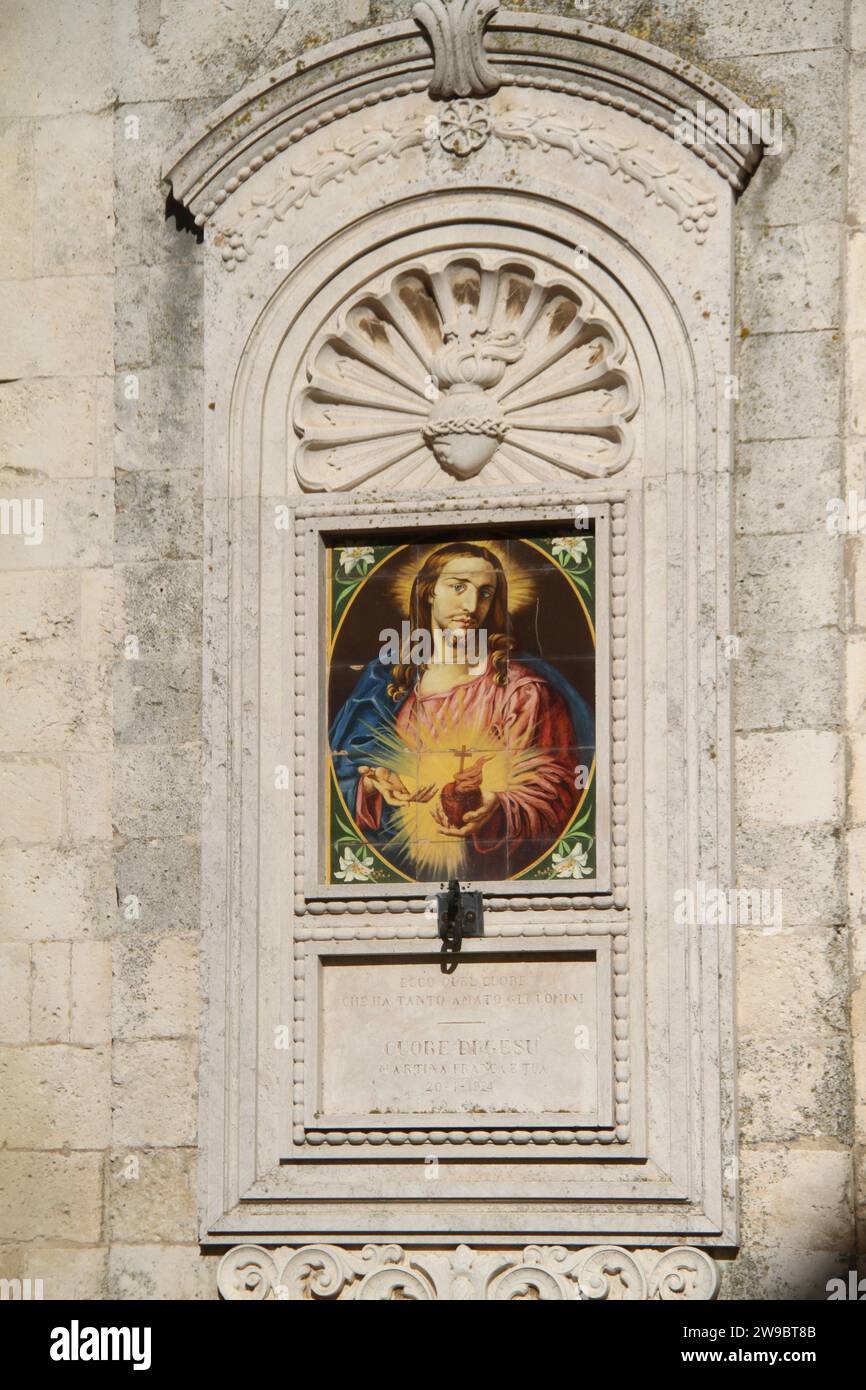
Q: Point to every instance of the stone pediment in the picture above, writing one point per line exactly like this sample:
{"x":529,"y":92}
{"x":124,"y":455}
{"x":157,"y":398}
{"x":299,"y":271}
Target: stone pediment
{"x":544,"y":52}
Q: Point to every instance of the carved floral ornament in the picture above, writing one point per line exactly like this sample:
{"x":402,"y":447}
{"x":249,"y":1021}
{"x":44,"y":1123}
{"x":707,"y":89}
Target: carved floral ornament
{"x":376,"y":1273}
{"x":462,"y":127}
{"x":466,"y":364}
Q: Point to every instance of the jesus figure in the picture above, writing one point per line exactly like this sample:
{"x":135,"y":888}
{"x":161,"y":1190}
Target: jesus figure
{"x":492,"y":744}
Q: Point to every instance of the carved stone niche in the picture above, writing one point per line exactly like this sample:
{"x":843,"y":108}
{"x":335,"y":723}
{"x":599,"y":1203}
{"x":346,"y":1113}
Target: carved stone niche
{"x":471,"y":269}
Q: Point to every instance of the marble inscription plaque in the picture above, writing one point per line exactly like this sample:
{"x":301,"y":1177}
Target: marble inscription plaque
{"x":500,"y":1036}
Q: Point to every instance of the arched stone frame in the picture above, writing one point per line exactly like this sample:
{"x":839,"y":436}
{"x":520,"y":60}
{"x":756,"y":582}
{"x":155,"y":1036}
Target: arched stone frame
{"x":675,"y":1172}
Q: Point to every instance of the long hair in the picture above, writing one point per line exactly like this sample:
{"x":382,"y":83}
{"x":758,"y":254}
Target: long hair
{"x":499,"y":645}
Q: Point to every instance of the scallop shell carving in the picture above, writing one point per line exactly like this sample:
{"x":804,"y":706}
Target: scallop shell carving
{"x":464,"y":367}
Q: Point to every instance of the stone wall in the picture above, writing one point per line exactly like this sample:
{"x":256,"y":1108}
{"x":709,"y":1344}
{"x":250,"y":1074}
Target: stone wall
{"x":100,"y":625}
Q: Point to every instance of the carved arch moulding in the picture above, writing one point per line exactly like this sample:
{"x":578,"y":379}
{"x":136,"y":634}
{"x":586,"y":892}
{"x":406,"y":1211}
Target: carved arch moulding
{"x":466,"y":270}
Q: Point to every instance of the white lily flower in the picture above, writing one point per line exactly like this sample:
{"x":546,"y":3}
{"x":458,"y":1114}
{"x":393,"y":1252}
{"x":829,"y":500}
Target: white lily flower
{"x":572,"y":865}
{"x":571,"y":546}
{"x":355,"y":868}
{"x":356,"y":555}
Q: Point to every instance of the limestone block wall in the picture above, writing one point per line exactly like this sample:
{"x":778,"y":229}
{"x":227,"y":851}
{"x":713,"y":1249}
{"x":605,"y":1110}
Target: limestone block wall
{"x":100,"y":625}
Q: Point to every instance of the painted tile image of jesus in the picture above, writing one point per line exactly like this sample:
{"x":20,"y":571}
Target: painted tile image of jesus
{"x":465,"y":765}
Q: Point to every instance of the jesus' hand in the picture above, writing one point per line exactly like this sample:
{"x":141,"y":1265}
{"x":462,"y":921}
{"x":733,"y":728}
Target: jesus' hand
{"x":472,"y":820}
{"x":392,"y":788}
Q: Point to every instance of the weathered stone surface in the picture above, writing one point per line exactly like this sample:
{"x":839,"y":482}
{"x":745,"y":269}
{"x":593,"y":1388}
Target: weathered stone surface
{"x":794,"y":1086}
{"x":66,"y":1272}
{"x":857,"y":588}
{"x":157,"y":703}
{"x":40,"y":615}
{"x":857,"y":780}
{"x":78,"y":520}
{"x":856,"y":885}
{"x":56,"y":1097}
{"x":72,"y":159}
{"x":156,"y":987}
{"x":164,"y":876}
{"x":56,"y":326}
{"x":797,"y":1199}
{"x":158,"y":515}
{"x":803,"y":861}
{"x":789,"y":277}
{"x":801,"y":1276}
{"x":90,"y":1019}
{"x":790,"y":683}
{"x":159,"y":316}
{"x":142,"y":135}
{"x":160,"y":1271}
{"x":159,"y":418}
{"x":156,"y":791}
{"x":194,"y":50}
{"x":153,"y":1196}
{"x":154,"y":1094}
{"x":50,"y":994}
{"x":15,"y":990}
{"x":857,"y":154}
{"x":803,"y":184}
{"x":855,"y":267}
{"x":56,"y":63}
{"x":790,"y":778}
{"x":56,"y":428}
{"x":57,"y":894}
{"x":784,"y":485}
{"x":53,"y":1194}
{"x":732,"y":28}
{"x":52,"y":706}
{"x":160,"y":605}
{"x":789,"y":385}
{"x":31,"y":807}
{"x":788,"y":583}
{"x":855,"y":382}
{"x":16,"y":199}
{"x":792,"y":983}
{"x":87,"y":807}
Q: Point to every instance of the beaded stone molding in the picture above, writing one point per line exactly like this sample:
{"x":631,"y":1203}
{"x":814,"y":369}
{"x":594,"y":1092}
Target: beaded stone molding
{"x":549,"y":1273}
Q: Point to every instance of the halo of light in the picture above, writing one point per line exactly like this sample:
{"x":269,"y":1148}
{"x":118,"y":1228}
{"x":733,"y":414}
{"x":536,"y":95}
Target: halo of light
{"x":521,"y":583}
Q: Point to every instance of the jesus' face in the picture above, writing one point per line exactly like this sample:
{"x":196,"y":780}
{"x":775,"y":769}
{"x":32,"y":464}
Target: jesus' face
{"x":462,"y":594}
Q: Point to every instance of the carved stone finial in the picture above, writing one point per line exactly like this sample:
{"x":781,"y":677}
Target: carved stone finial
{"x":456,"y":29}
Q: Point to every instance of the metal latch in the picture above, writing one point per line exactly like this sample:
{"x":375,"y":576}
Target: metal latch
{"x":460,"y":914}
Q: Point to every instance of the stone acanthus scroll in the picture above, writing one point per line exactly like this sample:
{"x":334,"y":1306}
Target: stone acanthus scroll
{"x":455,"y":29}
{"x":377,"y":1273}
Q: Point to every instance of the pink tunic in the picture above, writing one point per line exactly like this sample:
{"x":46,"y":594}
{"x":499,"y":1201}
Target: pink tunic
{"x":524,"y":716}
